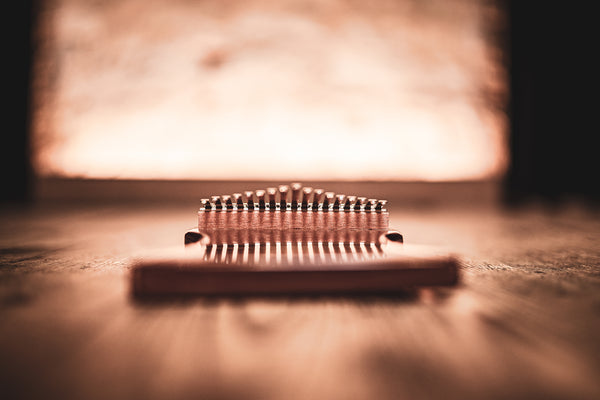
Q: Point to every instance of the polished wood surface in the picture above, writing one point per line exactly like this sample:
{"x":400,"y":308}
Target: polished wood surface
{"x":293,"y":268}
{"x":522,"y":324}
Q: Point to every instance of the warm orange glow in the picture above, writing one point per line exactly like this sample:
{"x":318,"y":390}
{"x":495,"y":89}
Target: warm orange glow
{"x":272,"y":90}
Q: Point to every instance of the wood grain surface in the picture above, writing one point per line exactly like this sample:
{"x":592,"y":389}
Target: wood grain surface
{"x":523,"y":323}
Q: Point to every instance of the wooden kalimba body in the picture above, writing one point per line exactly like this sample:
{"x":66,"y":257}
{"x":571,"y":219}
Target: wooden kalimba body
{"x":292,"y":240}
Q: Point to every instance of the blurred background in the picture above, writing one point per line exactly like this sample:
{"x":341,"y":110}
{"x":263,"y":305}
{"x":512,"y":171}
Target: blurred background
{"x":338,"y":91}
{"x":271,"y":90}
{"x":450,"y":110}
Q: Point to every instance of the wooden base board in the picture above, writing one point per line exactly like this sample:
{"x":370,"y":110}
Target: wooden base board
{"x":293,"y":269}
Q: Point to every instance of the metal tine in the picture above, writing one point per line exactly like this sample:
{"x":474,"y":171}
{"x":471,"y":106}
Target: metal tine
{"x":249,"y":199}
{"x":260,"y":196}
{"x":339,"y":202}
{"x":216,"y":200}
{"x":238,"y":201}
{"x":283,"y":196}
{"x":226,"y":199}
{"x":381,"y":205}
{"x":328,"y":201}
{"x":307,"y":196}
{"x":360,"y":203}
{"x":371,"y":203}
{"x":271,"y":194}
{"x":318,"y":195}
{"x":357,"y":203}
{"x":349,"y":203}
{"x":205,"y":205}
{"x":213,"y":253}
{"x":296,"y":191}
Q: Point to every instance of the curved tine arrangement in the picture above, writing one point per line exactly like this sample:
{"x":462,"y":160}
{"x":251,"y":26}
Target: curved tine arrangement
{"x":294,"y":197}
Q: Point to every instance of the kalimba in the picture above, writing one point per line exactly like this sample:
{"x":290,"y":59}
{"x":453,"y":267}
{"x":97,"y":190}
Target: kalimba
{"x":292,"y":240}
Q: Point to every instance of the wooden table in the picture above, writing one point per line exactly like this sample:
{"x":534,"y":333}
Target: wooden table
{"x":524,"y":322}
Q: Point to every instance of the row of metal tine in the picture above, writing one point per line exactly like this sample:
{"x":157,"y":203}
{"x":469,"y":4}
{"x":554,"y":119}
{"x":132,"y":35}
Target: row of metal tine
{"x":292,"y":253}
{"x":294,"y":197}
